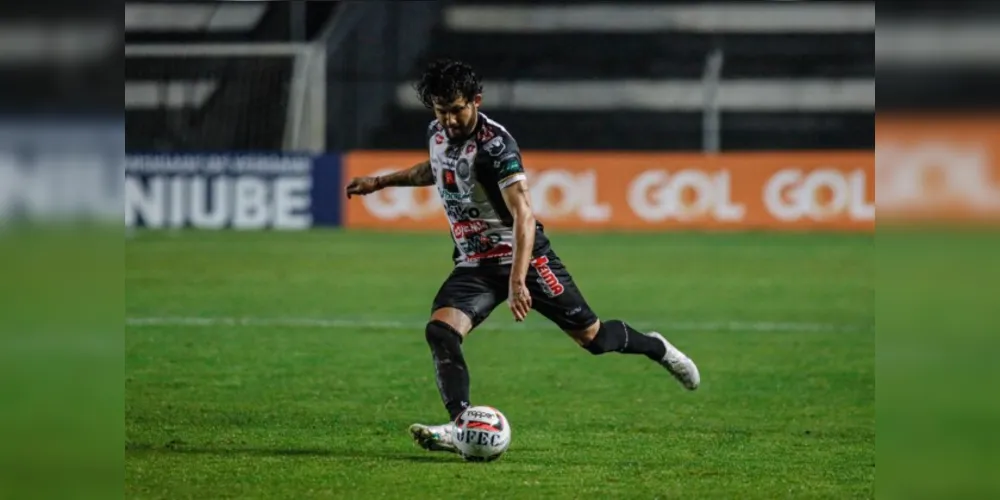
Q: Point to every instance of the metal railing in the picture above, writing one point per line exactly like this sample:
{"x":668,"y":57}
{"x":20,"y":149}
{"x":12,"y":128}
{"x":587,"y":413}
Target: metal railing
{"x":711,"y":114}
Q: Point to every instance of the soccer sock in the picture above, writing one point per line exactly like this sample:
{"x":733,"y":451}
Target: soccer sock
{"x":449,"y":363}
{"x":617,"y":336}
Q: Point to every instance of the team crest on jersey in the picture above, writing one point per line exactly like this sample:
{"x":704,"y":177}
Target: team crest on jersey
{"x":463,"y":170}
{"x":470,"y":148}
{"x":438,"y":138}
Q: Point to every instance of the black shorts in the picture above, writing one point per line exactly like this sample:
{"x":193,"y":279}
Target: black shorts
{"x":476,"y":291}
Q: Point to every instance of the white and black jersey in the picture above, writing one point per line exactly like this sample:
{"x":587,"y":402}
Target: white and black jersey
{"x":470,"y":174}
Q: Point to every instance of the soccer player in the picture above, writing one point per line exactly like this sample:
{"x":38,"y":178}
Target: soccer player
{"x":501,"y":251}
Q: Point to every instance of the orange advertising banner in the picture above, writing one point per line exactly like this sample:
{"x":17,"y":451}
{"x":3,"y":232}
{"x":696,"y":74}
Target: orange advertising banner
{"x":935,"y":168}
{"x":641,"y":191}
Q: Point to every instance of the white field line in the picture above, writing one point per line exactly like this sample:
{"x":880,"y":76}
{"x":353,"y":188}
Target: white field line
{"x":291,"y":322}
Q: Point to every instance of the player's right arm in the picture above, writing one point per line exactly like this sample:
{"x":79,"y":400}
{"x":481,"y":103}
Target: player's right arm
{"x":417,"y":175}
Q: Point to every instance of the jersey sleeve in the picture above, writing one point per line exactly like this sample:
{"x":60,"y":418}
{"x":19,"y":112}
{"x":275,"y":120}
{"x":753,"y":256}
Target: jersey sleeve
{"x":432,"y":129}
{"x":506,"y":159}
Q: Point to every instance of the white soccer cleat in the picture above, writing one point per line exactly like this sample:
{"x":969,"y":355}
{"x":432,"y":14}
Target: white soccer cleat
{"x":679,"y":365}
{"x":434,"y":437}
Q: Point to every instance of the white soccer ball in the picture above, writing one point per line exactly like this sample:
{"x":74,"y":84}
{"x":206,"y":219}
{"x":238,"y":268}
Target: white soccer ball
{"x":482,"y":434}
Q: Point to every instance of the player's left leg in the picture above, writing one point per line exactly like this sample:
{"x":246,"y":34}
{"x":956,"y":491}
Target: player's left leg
{"x":556,"y":296}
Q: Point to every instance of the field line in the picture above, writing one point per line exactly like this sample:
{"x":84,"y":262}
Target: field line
{"x":293,"y":322}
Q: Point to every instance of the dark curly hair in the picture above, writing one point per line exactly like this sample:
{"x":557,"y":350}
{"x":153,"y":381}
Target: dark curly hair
{"x":447,"y":79}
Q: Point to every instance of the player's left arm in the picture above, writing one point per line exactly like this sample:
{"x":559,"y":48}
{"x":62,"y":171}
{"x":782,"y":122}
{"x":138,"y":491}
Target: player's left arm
{"x":518,"y":202}
{"x":513,"y":183}
{"x":503,"y":152}
{"x":515,"y":195}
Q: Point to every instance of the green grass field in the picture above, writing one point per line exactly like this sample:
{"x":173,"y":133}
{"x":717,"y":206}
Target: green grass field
{"x":289,"y":365}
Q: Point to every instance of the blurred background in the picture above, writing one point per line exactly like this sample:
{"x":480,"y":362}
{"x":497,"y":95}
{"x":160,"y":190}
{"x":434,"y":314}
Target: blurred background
{"x":646,"y":75}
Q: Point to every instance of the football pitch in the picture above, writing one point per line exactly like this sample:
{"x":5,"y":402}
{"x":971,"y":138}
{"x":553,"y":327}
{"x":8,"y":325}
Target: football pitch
{"x":289,"y":365}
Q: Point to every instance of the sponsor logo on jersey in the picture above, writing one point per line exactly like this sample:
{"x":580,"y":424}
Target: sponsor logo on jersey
{"x":510,"y":167}
{"x":495,"y":147}
{"x":438,"y":139}
{"x":499,"y":251}
{"x":457,"y":211}
{"x":550,"y":283}
{"x":455,"y":197}
{"x":453,"y":152}
{"x":463,"y":229}
{"x":480,"y":243}
{"x":486,"y":133}
{"x":449,"y":188}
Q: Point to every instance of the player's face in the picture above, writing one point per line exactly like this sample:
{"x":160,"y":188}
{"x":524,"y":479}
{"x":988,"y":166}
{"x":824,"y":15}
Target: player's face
{"x":458,"y":116}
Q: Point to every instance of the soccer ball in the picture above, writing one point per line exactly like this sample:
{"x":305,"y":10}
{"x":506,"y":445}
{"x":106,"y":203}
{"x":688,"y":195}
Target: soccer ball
{"x":482,"y":434}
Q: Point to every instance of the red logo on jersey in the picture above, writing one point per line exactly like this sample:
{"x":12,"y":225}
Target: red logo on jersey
{"x":438,"y":139}
{"x":499,"y":251}
{"x":470,"y":148}
{"x":464,"y":229}
{"x":547,"y":278}
{"x":449,"y":177}
{"x":485,"y":133}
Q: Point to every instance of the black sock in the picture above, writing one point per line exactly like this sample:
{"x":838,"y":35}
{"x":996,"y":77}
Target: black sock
{"x":617,"y":336}
{"x":449,"y":363}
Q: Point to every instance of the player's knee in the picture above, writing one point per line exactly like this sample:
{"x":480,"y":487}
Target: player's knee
{"x":590,"y":338}
{"x":438,"y":332}
{"x":457,"y":319}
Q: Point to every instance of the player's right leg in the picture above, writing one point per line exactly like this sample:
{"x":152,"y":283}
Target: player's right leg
{"x":463,"y":302}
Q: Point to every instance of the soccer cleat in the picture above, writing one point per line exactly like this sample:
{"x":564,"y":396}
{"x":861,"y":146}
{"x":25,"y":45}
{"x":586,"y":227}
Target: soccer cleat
{"x":679,"y":365}
{"x":434,"y":437}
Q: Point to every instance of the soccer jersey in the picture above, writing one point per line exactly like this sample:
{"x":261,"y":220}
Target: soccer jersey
{"x":470,"y":175}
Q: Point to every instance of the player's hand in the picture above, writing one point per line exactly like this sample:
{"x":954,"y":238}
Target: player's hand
{"x":362,"y":186}
{"x":519,"y":300}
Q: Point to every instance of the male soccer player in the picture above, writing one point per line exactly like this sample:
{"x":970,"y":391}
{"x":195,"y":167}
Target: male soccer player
{"x":501,"y":251}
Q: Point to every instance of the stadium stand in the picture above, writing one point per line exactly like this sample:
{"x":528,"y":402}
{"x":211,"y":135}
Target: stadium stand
{"x":640,"y":75}
{"x":794,"y":75}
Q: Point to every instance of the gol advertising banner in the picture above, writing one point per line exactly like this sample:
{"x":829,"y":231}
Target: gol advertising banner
{"x":938,"y":168}
{"x":637,"y":191}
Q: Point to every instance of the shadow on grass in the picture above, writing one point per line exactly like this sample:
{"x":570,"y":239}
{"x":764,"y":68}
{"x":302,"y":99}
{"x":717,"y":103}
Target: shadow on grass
{"x":177,"y":448}
{"x":526,"y":455}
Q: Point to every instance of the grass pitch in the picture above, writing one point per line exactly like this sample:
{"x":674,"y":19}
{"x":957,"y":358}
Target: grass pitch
{"x":289,"y":365}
